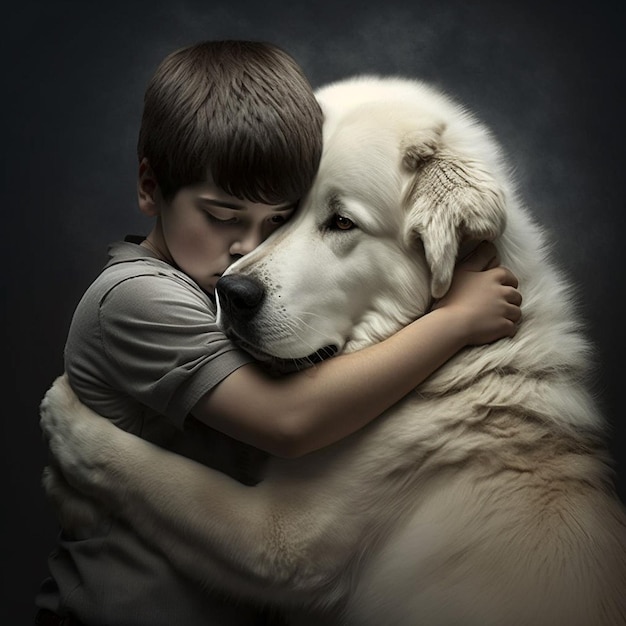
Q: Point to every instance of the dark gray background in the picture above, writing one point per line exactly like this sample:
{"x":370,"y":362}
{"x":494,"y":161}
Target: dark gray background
{"x":546,"y":77}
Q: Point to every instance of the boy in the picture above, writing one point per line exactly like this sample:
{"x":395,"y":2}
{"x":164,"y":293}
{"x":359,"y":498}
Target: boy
{"x":230,"y":141}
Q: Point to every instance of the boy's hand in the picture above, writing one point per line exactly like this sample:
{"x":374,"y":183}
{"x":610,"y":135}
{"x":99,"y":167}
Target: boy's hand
{"x":483,"y":297}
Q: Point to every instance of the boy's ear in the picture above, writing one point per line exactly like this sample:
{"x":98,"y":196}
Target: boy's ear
{"x":147,"y":189}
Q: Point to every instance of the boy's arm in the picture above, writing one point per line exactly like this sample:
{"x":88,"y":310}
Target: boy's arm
{"x":295,"y":414}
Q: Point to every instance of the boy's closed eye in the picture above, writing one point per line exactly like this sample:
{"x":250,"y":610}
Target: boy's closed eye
{"x":219,"y":219}
{"x":274,"y":220}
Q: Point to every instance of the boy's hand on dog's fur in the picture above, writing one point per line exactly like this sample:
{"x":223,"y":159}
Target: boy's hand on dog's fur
{"x":484,"y":297}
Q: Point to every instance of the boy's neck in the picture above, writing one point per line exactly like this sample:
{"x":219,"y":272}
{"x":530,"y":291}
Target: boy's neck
{"x":156,"y":244}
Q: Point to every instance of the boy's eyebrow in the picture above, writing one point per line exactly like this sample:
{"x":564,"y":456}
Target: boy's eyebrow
{"x":237,"y":207}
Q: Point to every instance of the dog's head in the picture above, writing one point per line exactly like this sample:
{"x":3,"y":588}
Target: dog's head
{"x":402,"y":183}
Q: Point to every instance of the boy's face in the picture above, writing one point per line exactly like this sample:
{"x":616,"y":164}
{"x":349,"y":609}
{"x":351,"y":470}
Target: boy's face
{"x":204,"y":230}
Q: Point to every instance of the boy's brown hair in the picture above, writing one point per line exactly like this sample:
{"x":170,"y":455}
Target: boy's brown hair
{"x":240,"y":113}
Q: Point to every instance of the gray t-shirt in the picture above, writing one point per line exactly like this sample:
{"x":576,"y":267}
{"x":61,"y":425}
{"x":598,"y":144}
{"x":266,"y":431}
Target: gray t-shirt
{"x":142,"y":349}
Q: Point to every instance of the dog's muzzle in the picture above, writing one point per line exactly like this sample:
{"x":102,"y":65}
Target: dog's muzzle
{"x":241,"y":298}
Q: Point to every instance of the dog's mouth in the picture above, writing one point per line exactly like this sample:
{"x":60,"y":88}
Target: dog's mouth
{"x":284,"y":365}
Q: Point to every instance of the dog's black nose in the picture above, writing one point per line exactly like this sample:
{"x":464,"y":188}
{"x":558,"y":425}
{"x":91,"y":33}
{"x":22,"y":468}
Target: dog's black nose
{"x":240,"y":296}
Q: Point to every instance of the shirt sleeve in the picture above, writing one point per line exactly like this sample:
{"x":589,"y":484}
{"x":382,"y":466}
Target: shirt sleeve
{"x":164,"y":346}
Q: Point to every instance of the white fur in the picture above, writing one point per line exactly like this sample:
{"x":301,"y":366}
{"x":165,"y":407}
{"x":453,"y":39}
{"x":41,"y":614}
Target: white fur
{"x":482,"y":499}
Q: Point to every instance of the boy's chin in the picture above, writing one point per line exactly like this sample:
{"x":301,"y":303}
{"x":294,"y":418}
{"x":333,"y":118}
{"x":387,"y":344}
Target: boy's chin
{"x":208,"y":285}
{"x":208,"y":289}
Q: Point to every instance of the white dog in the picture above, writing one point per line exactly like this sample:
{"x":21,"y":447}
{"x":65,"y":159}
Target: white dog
{"x":482,"y":499}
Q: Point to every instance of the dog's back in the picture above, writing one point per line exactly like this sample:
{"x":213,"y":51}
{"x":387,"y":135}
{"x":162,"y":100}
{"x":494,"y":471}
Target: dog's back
{"x":523,"y":531}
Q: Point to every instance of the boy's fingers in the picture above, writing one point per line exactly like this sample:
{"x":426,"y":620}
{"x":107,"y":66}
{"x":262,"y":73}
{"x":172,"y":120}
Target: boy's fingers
{"x":483,"y":257}
{"x":514,"y":297}
{"x":509,"y":279}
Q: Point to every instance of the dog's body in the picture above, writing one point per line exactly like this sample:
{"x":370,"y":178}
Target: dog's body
{"x":484,"y":498}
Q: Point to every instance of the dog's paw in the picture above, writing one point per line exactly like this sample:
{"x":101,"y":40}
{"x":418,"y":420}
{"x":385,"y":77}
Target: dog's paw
{"x":57,"y":408}
{"x":76,"y":436}
{"x":75,"y":511}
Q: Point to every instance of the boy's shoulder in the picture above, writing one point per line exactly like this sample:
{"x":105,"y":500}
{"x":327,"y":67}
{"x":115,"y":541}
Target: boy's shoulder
{"x":128,"y":259}
{"x":135,"y":271}
{"x":124,"y":255}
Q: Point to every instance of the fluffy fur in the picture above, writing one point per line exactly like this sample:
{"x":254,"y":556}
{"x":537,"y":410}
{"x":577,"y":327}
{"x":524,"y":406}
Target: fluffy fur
{"x":485,"y":497}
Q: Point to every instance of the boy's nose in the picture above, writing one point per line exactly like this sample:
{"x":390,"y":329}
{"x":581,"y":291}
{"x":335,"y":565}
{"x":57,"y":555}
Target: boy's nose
{"x":246,"y":243}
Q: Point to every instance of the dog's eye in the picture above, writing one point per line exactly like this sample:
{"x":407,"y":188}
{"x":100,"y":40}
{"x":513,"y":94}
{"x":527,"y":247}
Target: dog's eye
{"x":342,"y":223}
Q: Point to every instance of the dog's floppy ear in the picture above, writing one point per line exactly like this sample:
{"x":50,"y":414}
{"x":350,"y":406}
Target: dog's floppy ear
{"x":452,"y":198}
